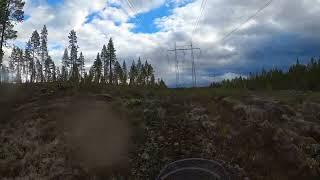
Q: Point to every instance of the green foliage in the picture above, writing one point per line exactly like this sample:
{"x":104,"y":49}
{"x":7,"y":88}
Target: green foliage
{"x":96,"y":69}
{"x":35,"y":64}
{"x":111,"y":58}
{"x":299,"y":77}
{"x":11,"y":12}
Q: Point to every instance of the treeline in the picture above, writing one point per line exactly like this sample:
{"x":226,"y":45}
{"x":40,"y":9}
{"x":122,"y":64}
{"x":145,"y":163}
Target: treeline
{"x":34,"y":65}
{"x":298,"y":77}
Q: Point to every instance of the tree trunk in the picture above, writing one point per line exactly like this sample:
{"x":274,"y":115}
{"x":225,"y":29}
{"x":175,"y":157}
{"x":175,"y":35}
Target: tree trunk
{"x":110,"y":74}
{"x":3,"y":23}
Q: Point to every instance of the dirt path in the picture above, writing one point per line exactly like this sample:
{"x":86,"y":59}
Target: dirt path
{"x":76,"y":137}
{"x":100,"y":135}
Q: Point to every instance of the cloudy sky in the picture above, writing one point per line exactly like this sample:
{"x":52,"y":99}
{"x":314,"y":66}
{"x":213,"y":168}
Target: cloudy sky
{"x":281,"y":33}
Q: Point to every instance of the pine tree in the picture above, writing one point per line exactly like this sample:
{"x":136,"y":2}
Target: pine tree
{"x":133,"y":73}
{"x":111,"y":54}
{"x":65,"y":65}
{"x":35,"y":49}
{"x":139,"y":69}
{"x":152,"y":80}
{"x":81,"y":64}
{"x":44,"y":45}
{"x":14,"y":64}
{"x":29,"y":61}
{"x":124,"y":76}
{"x":53,"y":71}
{"x":97,"y":69}
{"x":12,"y":67}
{"x":73,"y":56}
{"x":105,"y":61}
{"x":39,"y":72}
{"x":162,"y":84}
{"x":149,"y":73}
{"x":11,"y":12}
{"x":117,"y":72}
{"x":35,"y":42}
{"x":48,"y":69}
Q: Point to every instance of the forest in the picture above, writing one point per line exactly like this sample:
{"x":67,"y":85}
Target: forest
{"x":34,"y":65}
{"x":298,"y":77}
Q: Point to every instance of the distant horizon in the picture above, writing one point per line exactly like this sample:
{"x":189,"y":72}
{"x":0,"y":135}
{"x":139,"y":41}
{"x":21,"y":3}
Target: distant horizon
{"x":275,"y":37}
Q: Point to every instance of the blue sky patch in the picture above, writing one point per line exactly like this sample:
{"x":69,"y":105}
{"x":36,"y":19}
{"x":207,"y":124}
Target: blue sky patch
{"x":55,"y":2}
{"x":145,"y":21}
{"x":26,"y":17}
{"x":92,"y":16}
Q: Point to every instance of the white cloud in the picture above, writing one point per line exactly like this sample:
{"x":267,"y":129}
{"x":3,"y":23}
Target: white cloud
{"x":220,"y":17}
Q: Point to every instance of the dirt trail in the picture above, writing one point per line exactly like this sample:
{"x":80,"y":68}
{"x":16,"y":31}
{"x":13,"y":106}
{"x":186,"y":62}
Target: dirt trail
{"x":100,"y":135}
{"x":69,"y":137}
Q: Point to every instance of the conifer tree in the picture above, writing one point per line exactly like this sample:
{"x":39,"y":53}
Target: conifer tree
{"x":29,"y":62}
{"x":16,"y":61}
{"x":139,"y":72}
{"x":162,"y":84}
{"x":152,"y":80}
{"x":44,"y":45}
{"x":65,"y":65}
{"x":49,"y":69}
{"x":35,"y":48}
{"x":133,"y":73}
{"x":39,"y":72}
{"x":105,"y":61}
{"x":124,"y":76}
{"x":11,"y":12}
{"x":73,"y":56}
{"x":111,"y":54}
{"x":81,"y":64}
{"x":35,"y":42}
{"x":117,"y":72}
{"x":97,"y":69}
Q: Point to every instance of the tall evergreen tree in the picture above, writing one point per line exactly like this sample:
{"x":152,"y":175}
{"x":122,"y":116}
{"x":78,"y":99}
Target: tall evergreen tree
{"x":97,"y":69}
{"x":124,"y":73}
{"x":44,"y":45}
{"x":133,"y":73}
{"x":17,"y":61}
{"x":49,"y":69}
{"x":39,"y":72}
{"x":73,"y":46}
{"x":81,"y":64}
{"x":152,"y":80}
{"x":29,"y":61}
{"x":105,"y":61}
{"x":11,"y":12}
{"x":65,"y":65}
{"x":117,"y":72}
{"x":139,"y":75}
{"x":111,"y":58}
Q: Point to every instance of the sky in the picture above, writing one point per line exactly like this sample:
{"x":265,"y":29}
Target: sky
{"x":281,"y":33}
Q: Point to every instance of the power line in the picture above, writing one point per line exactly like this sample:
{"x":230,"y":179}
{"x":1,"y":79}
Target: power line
{"x":197,"y":23}
{"x":247,"y":20}
{"x":134,"y":10}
